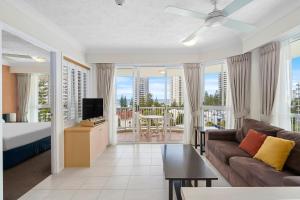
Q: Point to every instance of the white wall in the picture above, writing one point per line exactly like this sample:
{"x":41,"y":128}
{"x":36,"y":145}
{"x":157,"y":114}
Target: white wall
{"x":272,"y":32}
{"x":221,"y":52}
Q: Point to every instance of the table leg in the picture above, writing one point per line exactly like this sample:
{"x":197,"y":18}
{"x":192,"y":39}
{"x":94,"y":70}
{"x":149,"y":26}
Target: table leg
{"x":208,"y":183}
{"x":203,"y":150}
{"x":195,"y":183}
{"x":201,"y":144}
{"x":170,"y":189}
{"x":149,"y":126}
{"x":196,"y":139}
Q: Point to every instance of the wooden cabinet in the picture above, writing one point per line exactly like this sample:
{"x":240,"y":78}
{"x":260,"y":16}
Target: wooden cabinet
{"x":84,"y":144}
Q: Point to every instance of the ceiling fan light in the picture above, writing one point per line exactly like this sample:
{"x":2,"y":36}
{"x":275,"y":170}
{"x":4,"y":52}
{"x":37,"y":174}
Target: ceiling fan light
{"x":190,"y":42}
{"x":38,"y":59}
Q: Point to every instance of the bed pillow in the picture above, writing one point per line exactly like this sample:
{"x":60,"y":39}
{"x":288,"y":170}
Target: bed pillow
{"x":252,"y":142}
{"x":275,"y":151}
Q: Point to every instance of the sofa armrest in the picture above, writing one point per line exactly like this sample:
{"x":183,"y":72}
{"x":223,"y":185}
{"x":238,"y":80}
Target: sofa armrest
{"x":229,"y":134}
{"x":291,"y":181}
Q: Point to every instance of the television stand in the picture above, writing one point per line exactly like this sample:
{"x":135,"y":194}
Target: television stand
{"x":84,"y":144}
{"x":92,"y":122}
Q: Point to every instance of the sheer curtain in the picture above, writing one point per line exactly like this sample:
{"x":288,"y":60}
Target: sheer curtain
{"x":187,"y":116}
{"x":33,"y":99}
{"x":23,"y":88}
{"x":112,"y":115}
{"x":229,"y":117}
{"x":281,"y":116}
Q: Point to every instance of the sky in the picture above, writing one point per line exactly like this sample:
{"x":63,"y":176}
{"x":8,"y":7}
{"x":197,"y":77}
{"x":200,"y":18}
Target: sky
{"x":211,"y":83}
{"x":296,"y":70}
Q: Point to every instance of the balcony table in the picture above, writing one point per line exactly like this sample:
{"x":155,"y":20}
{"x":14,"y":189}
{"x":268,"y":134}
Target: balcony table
{"x":149,"y":118}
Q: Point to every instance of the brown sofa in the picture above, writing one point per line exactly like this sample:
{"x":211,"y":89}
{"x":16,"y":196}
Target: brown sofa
{"x":222,"y":150}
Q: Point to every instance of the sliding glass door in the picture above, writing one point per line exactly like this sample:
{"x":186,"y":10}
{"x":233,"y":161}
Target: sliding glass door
{"x":149,"y":104}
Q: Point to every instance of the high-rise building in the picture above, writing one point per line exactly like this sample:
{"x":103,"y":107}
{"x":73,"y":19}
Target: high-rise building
{"x":296,"y":91}
{"x":296,"y":97}
{"x":176,"y":91}
{"x":141,"y":88}
{"x":222,"y":84}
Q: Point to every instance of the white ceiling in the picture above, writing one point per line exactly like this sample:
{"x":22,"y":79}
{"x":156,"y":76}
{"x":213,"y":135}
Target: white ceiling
{"x":143,"y":26}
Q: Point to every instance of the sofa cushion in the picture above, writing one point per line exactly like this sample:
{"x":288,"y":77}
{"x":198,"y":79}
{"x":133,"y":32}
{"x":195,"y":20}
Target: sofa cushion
{"x":275,"y":151}
{"x":252,"y":142}
{"x":223,"y":150}
{"x":293,"y":161}
{"x":256,"y":173}
{"x":259,"y":126}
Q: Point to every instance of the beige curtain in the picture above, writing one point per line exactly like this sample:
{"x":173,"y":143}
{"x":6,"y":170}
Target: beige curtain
{"x":193,"y":74}
{"x":23,"y":90}
{"x":269,"y":70}
{"x":105,"y":77}
{"x":106,"y":90}
{"x":239,"y":70}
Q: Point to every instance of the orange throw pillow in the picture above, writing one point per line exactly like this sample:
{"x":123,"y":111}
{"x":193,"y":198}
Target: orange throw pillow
{"x":252,"y":142}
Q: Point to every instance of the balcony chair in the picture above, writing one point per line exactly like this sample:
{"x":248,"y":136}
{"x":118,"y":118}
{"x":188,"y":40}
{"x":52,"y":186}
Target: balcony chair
{"x":167,"y":123}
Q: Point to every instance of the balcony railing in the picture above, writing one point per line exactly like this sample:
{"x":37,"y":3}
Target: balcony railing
{"x":216,"y":116}
{"x":126,"y":116}
{"x":295,"y":122}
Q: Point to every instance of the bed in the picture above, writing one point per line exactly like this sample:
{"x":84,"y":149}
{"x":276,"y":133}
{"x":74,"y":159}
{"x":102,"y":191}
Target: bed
{"x":22,"y":141}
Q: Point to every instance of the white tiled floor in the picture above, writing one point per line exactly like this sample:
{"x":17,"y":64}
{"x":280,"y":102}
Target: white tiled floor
{"x":122,"y":172}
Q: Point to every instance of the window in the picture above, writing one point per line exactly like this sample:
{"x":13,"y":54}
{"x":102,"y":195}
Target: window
{"x":215,"y":81}
{"x":44,"y":107}
{"x":295,"y":86}
{"x":215,"y":92}
{"x":74,"y":89}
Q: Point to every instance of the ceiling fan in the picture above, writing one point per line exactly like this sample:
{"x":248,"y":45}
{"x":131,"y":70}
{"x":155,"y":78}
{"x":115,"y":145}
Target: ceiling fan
{"x":213,"y":19}
{"x":27,"y":58}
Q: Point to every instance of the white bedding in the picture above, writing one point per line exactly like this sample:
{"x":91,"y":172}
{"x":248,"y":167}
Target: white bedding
{"x":19,"y":134}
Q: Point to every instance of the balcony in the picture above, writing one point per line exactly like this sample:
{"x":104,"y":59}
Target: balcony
{"x":130,"y":128}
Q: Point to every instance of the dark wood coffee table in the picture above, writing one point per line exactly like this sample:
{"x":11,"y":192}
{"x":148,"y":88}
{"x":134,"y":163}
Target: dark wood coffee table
{"x":182,"y":164}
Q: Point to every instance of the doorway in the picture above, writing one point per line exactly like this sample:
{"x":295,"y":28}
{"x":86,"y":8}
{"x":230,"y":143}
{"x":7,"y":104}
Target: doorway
{"x":26,"y":113}
{"x":150,"y":106}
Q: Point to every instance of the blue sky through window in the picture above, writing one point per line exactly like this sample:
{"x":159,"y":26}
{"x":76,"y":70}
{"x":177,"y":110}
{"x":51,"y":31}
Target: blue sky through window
{"x":124,"y":87}
{"x":296,"y":70}
{"x":211,"y":82}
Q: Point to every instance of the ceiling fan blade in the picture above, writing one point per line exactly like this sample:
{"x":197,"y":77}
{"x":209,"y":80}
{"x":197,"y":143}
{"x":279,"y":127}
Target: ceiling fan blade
{"x":235,"y":5}
{"x":194,"y":37}
{"x":16,"y":55}
{"x":238,"y":25}
{"x":185,"y":12}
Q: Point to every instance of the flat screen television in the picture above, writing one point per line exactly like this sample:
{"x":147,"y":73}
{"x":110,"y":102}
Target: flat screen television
{"x":92,"y":107}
